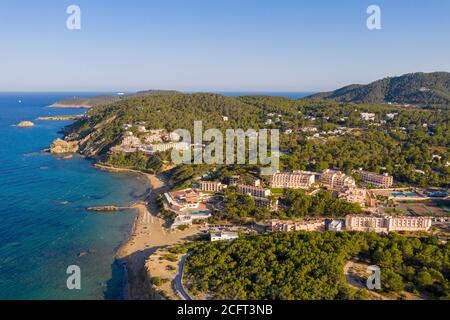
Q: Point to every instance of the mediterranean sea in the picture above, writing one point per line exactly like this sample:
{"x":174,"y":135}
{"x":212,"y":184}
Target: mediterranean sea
{"x":44,"y":225}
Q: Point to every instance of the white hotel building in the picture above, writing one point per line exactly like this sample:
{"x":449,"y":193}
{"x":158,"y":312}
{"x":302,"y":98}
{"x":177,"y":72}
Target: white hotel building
{"x":254,"y":191}
{"x":336,"y":180}
{"x":294,"y":180}
{"x":379,"y":180}
{"x":223,"y":236}
{"x":387,"y":224}
{"x":212,"y":186}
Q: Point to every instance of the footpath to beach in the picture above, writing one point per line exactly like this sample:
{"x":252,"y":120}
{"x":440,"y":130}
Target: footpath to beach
{"x":149,"y":234}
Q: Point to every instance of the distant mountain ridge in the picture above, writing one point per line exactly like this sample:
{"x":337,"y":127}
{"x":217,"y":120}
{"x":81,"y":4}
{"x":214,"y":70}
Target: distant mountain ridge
{"x":413,"y":88}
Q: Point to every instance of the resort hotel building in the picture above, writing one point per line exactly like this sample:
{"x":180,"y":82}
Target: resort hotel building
{"x":387,"y":224}
{"x":294,"y":180}
{"x":212,"y":186}
{"x":336,"y":180}
{"x":254,"y":191}
{"x":301,"y":225}
{"x":384,"y":181}
{"x":187,"y":202}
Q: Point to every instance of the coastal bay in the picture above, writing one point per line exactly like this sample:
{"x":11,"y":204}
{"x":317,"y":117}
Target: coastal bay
{"x":149,"y":234}
{"x":45,"y":226}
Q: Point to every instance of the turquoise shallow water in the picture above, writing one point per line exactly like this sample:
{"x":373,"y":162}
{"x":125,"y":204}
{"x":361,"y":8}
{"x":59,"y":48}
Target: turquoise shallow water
{"x":43,"y":221}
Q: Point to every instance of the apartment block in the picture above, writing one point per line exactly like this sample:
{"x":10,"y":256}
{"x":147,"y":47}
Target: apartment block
{"x":293,"y":180}
{"x":384,"y":181}
{"x":130,"y":140}
{"x":336,"y":179}
{"x":387,"y":224}
{"x":212,"y":186}
{"x":234,"y":180}
{"x":167,"y":146}
{"x":254,"y":191}
{"x":301,"y":225}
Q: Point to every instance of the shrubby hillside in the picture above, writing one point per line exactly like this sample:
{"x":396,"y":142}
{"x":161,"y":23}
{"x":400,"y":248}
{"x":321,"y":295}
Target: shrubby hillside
{"x":413,"y":146}
{"x":413,"y":88}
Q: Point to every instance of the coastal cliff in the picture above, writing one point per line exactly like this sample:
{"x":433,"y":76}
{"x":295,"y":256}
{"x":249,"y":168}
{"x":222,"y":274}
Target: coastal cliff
{"x":151,"y":291}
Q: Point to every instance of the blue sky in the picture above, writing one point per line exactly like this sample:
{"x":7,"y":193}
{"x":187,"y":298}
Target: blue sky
{"x":217,"y":45}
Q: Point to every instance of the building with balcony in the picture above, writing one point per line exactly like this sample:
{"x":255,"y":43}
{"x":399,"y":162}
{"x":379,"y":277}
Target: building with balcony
{"x":384,"y":181}
{"x":212,"y":186}
{"x":387,"y":224}
{"x":130,"y":140}
{"x":293,"y":180}
{"x":234,"y":180}
{"x":259,"y":192}
{"x":300,"y":225}
{"x":187,"y":202}
{"x":334,"y":179}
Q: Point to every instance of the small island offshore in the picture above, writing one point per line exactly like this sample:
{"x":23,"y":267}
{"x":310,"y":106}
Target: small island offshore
{"x":363,"y":180}
{"x":25,"y":124}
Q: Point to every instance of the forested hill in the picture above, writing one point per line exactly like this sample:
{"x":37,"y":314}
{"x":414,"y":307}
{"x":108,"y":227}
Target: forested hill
{"x":412,"y":144}
{"x":414,"y":88}
{"x":106,"y":99}
{"x":309,"y":266}
{"x":103,"y":125}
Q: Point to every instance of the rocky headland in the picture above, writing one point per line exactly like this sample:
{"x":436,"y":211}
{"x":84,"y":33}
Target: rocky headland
{"x":63,"y":146}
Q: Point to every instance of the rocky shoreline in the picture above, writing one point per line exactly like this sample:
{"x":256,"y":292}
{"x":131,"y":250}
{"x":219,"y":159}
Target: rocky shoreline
{"x":148,"y":232}
{"x":62,"y":146}
{"x":60,"y":118}
{"x":104,"y":209}
{"x":70,"y":106}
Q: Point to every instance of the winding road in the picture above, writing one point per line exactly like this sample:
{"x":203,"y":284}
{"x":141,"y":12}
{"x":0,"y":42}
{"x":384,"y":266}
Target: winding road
{"x":178,"y":282}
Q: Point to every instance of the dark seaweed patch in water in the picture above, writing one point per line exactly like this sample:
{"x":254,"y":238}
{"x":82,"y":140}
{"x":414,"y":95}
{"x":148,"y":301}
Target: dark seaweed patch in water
{"x":116,"y":286}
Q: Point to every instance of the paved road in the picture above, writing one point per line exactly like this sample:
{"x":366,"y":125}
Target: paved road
{"x":178,"y":282}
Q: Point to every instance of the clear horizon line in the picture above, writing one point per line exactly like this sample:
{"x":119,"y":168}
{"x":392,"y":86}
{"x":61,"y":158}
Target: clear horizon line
{"x":181,"y":91}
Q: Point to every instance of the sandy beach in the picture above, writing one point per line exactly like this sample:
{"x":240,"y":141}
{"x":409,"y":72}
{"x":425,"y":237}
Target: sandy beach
{"x":152,"y":180}
{"x":148,"y":235}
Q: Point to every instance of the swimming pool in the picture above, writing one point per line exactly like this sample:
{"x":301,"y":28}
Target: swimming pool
{"x":404,"y":195}
{"x":438,"y":194}
{"x":199,"y":212}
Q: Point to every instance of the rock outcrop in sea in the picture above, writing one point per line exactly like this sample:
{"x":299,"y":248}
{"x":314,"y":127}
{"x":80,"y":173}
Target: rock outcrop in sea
{"x":25,"y":124}
{"x":63,"y":146}
{"x":103,"y":209}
